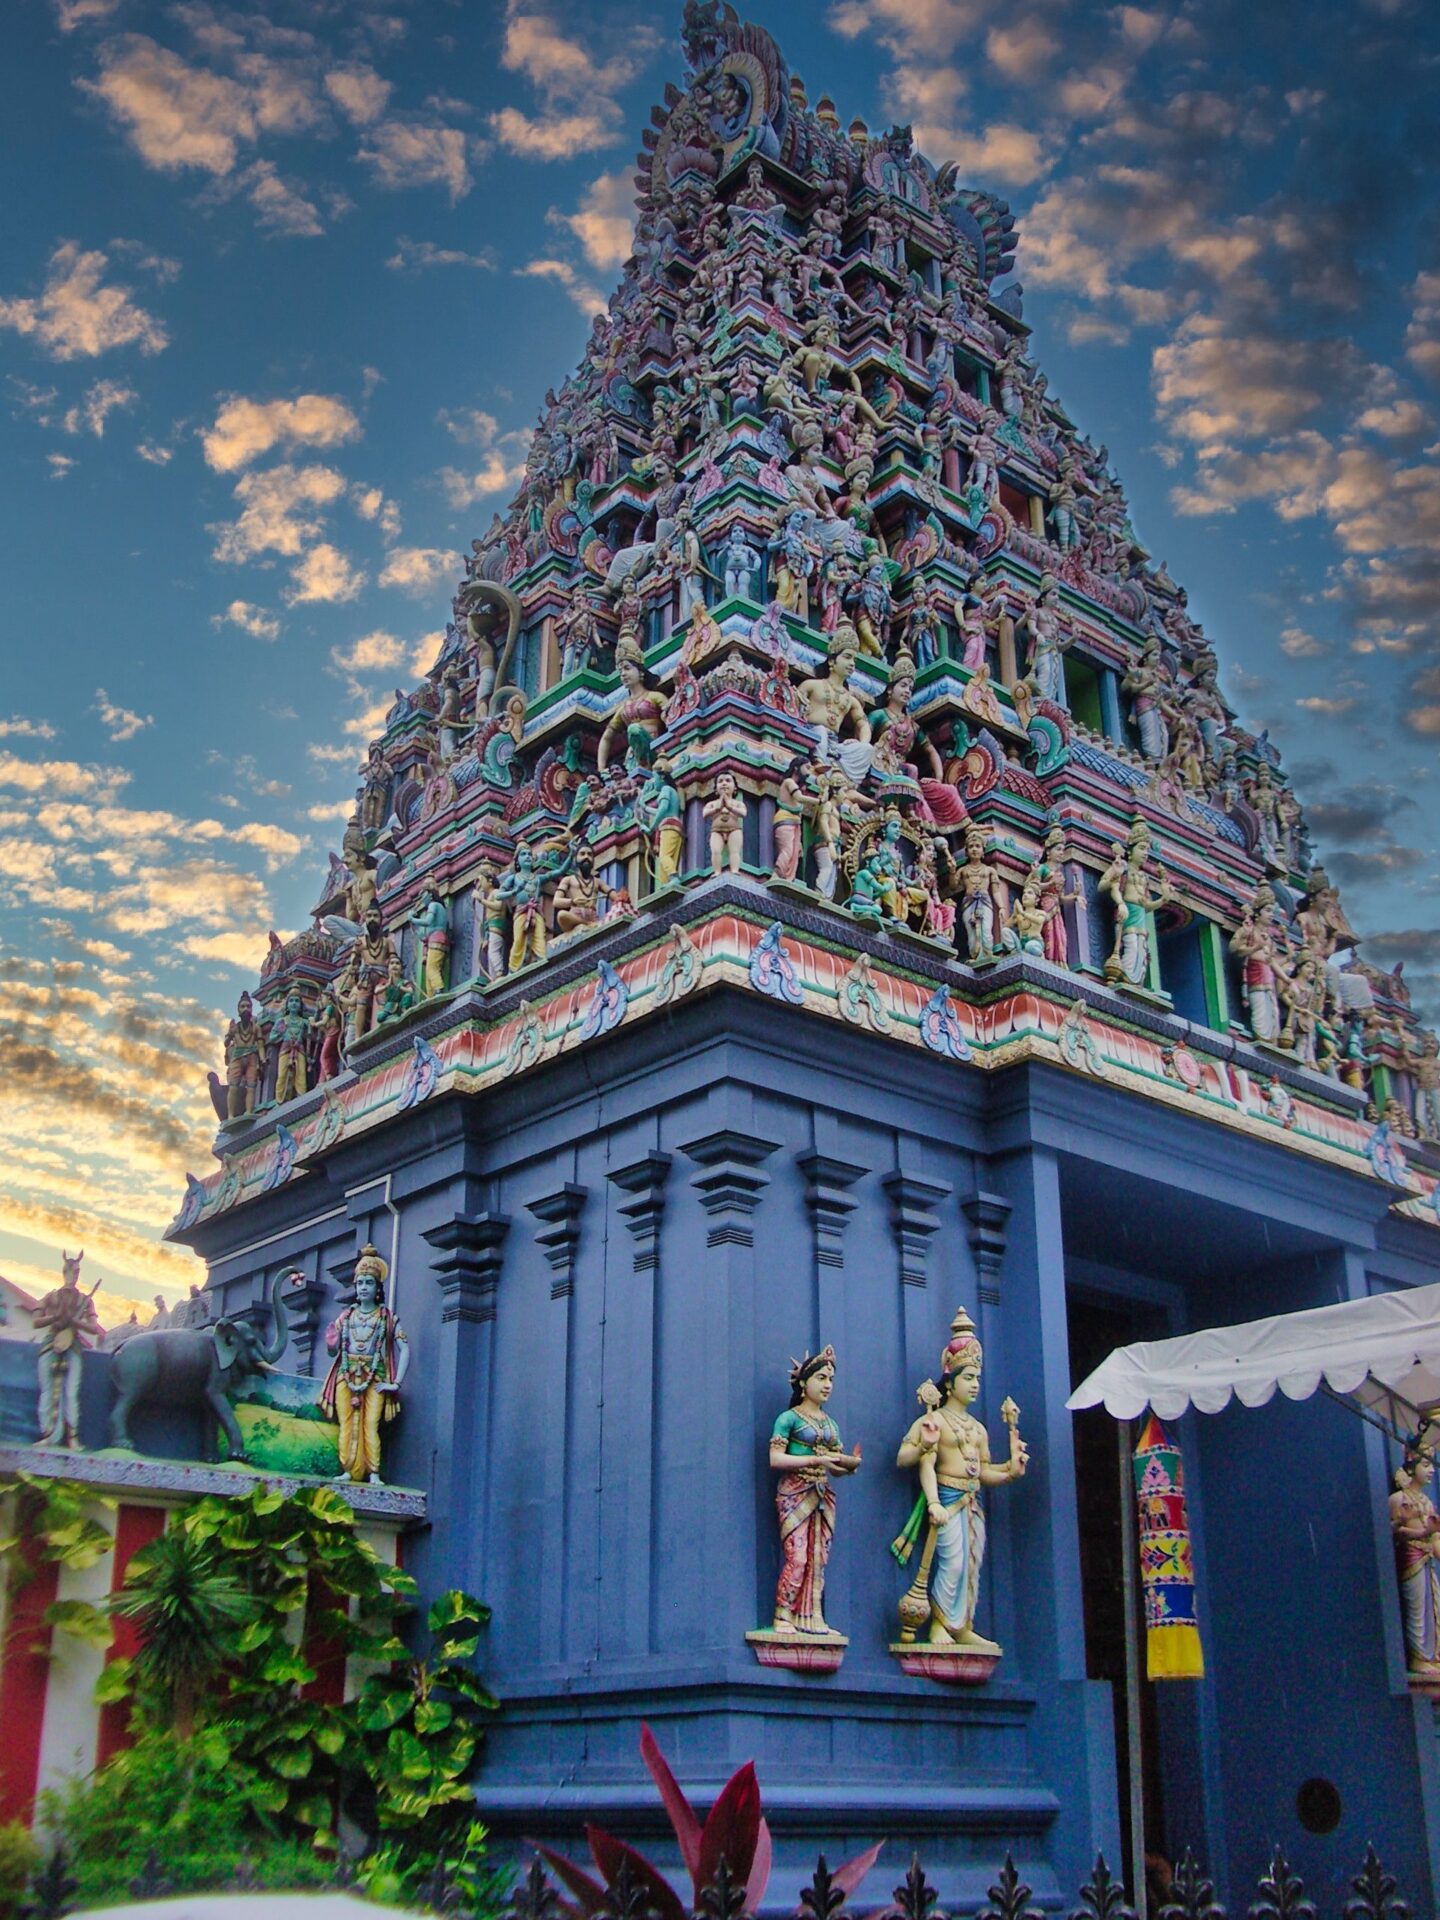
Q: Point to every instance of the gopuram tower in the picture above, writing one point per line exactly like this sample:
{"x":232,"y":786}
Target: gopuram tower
{"x":820,"y":886}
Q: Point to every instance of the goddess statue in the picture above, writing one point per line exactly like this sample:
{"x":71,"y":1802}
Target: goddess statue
{"x":951,"y":1451}
{"x":1416,"y":1527}
{"x":1254,"y":944}
{"x":805,"y":1450}
{"x":638,"y":715}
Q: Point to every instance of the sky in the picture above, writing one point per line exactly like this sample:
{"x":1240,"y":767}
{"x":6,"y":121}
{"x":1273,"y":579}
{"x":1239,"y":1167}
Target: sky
{"x":281,"y":290}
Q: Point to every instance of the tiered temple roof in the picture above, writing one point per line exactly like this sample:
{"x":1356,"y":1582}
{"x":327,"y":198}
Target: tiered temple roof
{"x":811,"y":578}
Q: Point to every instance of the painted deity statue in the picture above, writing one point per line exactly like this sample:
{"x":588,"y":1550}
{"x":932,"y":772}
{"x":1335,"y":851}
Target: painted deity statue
{"x":244,"y":1060}
{"x":373,"y":966}
{"x":950,"y":1450}
{"x":725,"y":813}
{"x":521,"y":891}
{"x":327,"y":1027}
{"x":1255,"y":945}
{"x":806,"y":1452}
{"x":66,"y":1323}
{"x":1146,"y":683}
{"x":661,"y":812}
{"x":900,"y":743}
{"x":291,"y":1033}
{"x":1416,"y":1528}
{"x":1136,"y":893}
{"x":578,"y":896}
{"x":639,"y":714}
{"x":792,"y":804}
{"x":1048,"y":644}
{"x":982,"y":903}
{"x":1424,"y":1068}
{"x":371,"y":1359}
{"x":831,"y":707}
{"x":432,"y":920}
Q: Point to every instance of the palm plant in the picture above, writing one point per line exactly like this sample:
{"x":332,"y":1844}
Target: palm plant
{"x":187,"y":1612}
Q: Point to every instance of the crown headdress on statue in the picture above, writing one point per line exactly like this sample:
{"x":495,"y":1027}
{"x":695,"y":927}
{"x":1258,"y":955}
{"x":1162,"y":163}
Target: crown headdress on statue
{"x":800,"y":1370}
{"x":371,"y":1262}
{"x":903,"y":666}
{"x":963,"y":1344}
{"x":631,"y":650}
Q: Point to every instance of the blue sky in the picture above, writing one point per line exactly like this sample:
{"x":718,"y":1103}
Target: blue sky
{"x":280,"y":293}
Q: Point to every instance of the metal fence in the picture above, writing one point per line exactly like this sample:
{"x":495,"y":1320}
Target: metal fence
{"x":1280,"y":1895}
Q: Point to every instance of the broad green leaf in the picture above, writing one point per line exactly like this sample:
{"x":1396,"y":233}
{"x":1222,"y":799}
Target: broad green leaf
{"x":383,"y":1710}
{"x":114,"y":1683}
{"x":81,"y":1621}
{"x":408,"y":1754}
{"x":433,"y":1716}
{"x":454,"y":1608}
{"x":292,"y":1762}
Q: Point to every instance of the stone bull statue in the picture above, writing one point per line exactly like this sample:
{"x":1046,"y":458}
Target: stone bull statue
{"x":196,"y":1367}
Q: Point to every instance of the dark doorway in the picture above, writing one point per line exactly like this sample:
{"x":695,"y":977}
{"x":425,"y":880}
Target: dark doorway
{"x":1097,"y":1326}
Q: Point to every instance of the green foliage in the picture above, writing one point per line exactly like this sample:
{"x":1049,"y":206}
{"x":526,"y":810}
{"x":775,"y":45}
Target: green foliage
{"x":267,"y":1772}
{"x":174,"y":1808}
{"x":19,"y":1857}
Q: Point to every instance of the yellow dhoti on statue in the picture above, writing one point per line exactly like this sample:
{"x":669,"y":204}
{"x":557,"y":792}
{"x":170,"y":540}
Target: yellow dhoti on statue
{"x":359,"y":1415}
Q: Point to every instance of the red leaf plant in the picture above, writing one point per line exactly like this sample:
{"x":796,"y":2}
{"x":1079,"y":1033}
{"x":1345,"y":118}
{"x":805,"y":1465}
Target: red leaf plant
{"x":734,"y":1831}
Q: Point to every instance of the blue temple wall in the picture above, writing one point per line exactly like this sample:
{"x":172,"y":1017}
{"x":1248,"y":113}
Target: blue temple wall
{"x":604,"y":1270}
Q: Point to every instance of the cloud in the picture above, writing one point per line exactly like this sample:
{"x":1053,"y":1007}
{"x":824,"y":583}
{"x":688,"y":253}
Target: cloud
{"x":1215,"y":383}
{"x":418,"y":153}
{"x":70,"y":14}
{"x":1022,"y":50}
{"x":77,"y":316}
{"x":245,"y":429}
{"x":324,"y":576}
{"x":579,"y":111}
{"x":414,"y":256}
{"x":18,"y":728}
{"x":119,"y":722}
{"x":1332,"y":706}
{"x":280,"y":207}
{"x":371,"y":504}
{"x":502,"y":457}
{"x":241,"y":950}
{"x":102,"y":399}
{"x":68,"y":778}
{"x":930,"y":29}
{"x":252,"y":620}
{"x":59,"y":464}
{"x":175,"y":116}
{"x":1395,"y":420}
{"x":282,"y":512}
{"x":359,"y":92}
{"x":154,"y":455}
{"x":417,"y":570}
{"x":1422,"y":336}
{"x":179,"y":116}
{"x":604,"y":222}
{"x":375,"y":652}
{"x":1297,"y":644}
{"x":588,"y":298}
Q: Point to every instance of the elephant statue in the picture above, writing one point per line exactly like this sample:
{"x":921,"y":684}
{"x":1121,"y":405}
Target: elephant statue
{"x":196,"y":1367}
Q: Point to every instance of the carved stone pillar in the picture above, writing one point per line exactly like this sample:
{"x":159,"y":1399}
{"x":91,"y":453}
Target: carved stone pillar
{"x":827,"y":1195}
{"x":987,"y":1214}
{"x":730,"y":1182}
{"x":469,"y":1250}
{"x":559,"y":1235}
{"x":912,"y":1208}
{"x":303,"y":1299}
{"x":470,"y":1253}
{"x":644,"y":1180}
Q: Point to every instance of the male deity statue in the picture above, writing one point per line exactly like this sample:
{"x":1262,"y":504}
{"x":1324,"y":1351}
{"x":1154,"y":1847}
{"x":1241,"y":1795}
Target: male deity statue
{"x":67,"y":1323}
{"x":951,"y":1451}
{"x":244,"y":1060}
{"x":372,"y":1357}
{"x":431,"y":917}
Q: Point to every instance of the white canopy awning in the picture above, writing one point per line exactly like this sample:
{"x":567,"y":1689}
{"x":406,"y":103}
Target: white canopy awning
{"x":1384,"y":1351}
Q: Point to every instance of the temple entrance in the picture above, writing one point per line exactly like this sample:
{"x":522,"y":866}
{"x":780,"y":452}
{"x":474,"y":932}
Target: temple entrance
{"x":1096,"y":1327}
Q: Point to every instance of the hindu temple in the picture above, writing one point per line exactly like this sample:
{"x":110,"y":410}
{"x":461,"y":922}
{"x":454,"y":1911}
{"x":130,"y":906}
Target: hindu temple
{"x":819,"y":929}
